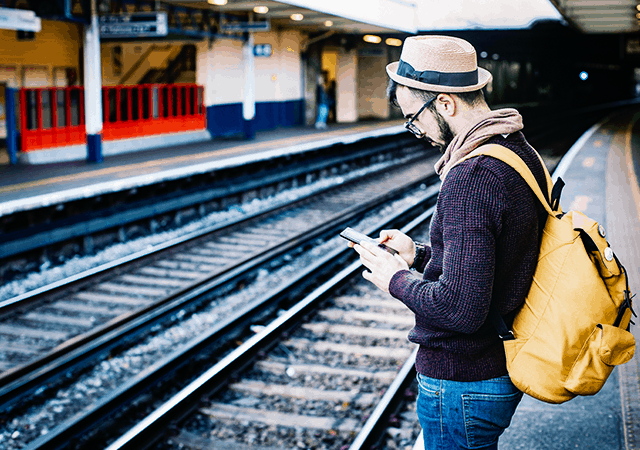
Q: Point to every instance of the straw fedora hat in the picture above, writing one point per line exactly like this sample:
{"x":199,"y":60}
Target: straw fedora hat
{"x":438,"y":64}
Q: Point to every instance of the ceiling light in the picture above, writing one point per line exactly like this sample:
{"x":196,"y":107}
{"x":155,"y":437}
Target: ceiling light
{"x":638,"y":15}
{"x":328,"y":23}
{"x":217,"y":2}
{"x":638,"y":7}
{"x":371,"y":38}
{"x":393,"y":42}
{"x":260,"y":9}
{"x":297,"y":17}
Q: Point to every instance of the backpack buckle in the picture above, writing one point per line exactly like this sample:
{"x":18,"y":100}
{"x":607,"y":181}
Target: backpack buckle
{"x":507,"y":337}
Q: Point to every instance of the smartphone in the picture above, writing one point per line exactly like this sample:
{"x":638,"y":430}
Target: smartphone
{"x":356,"y":237}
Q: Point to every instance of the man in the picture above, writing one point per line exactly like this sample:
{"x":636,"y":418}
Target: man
{"x":484,"y":243}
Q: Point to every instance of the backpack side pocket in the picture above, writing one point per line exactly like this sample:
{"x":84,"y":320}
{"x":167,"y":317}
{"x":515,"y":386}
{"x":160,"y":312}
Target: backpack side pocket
{"x":606,"y":347}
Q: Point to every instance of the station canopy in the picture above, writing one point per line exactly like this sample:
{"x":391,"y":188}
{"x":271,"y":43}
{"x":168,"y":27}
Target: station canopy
{"x":341,"y":16}
{"x":601,"y":16}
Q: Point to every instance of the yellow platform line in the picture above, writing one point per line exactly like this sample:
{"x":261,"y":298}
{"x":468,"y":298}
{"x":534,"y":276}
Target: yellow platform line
{"x":180,"y":159}
{"x":633,"y":179}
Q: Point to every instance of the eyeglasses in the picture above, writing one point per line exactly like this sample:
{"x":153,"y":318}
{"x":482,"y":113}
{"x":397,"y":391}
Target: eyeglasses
{"x":409,"y":123}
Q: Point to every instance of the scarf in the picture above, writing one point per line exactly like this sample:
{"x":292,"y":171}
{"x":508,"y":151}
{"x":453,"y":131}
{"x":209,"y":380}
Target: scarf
{"x":500,"y":121}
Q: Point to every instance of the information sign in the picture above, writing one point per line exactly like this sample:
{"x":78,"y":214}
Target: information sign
{"x":262,"y":50}
{"x":19,"y":19}
{"x":236,"y":26}
{"x":152,"y":24}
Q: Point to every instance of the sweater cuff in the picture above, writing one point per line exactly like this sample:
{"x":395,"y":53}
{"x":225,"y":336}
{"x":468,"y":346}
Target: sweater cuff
{"x":423,"y":254}
{"x":401,"y":282}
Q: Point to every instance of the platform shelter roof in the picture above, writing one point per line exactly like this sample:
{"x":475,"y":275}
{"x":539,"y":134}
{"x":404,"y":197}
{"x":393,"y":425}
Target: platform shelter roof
{"x":353,"y":16}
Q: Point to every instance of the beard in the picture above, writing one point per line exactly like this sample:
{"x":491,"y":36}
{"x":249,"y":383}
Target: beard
{"x":445,"y":134}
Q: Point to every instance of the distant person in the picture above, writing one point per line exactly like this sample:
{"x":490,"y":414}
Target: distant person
{"x":484,"y":244}
{"x":332,"y":101}
{"x":322,"y":98}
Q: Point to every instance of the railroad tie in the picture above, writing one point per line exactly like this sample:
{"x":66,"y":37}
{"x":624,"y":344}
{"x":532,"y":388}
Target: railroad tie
{"x":195,"y":441}
{"x":256,"y":388}
{"x":389,"y":303}
{"x":223,"y":411}
{"x":362,"y":316}
{"x":353,"y":330}
{"x":327,"y":346}
{"x":318,"y":369}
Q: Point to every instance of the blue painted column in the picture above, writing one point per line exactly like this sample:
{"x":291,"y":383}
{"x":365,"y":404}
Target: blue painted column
{"x":93,"y":87}
{"x":10,"y":114}
{"x":249,"y":101}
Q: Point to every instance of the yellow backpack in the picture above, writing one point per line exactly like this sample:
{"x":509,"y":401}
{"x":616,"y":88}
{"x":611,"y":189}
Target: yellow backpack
{"x":573,"y":326}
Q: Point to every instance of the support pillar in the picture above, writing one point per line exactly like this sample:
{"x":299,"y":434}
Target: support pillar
{"x":93,"y":87}
{"x":10,"y":114}
{"x":347,"y":87}
{"x":249,"y":101}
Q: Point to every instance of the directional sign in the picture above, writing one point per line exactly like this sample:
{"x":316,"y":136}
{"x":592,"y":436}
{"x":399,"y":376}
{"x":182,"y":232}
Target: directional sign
{"x":19,"y":19}
{"x":262,"y":50}
{"x":232,"y":25}
{"x":134,"y":25}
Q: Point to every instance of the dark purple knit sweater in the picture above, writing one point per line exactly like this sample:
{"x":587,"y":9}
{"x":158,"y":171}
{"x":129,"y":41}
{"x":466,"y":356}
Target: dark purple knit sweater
{"x":484,"y":245}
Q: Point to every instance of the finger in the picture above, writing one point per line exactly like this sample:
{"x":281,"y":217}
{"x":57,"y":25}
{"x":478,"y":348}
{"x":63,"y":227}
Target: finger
{"x":401,"y":260}
{"x":366,"y":275}
{"x":386,"y":235}
{"x":365,"y":254}
{"x":372,"y":248}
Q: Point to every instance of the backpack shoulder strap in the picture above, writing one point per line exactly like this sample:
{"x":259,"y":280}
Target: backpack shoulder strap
{"x":508,"y":157}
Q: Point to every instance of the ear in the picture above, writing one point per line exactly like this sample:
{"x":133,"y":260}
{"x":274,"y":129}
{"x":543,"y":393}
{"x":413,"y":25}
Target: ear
{"x":446,"y":105}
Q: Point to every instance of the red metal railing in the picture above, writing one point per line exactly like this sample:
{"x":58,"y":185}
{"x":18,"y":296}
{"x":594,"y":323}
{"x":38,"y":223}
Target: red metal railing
{"x":51,"y":117}
{"x":148,"y":109}
{"x":54,"y":117}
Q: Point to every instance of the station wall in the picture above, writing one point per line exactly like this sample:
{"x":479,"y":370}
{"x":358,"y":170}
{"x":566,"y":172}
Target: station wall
{"x":372,"y":86}
{"x":48,"y":58}
{"x":278,"y":82}
{"x":128,"y":63}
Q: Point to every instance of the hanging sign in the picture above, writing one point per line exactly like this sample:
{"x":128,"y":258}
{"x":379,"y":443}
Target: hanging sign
{"x":229,"y":24}
{"x":19,"y":19}
{"x":152,"y":24}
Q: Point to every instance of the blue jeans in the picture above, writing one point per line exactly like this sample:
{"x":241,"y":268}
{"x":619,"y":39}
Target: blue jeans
{"x":323,"y":114}
{"x":465,"y":415}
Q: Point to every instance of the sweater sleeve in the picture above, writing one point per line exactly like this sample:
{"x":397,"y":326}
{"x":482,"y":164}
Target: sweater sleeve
{"x":471,"y":205}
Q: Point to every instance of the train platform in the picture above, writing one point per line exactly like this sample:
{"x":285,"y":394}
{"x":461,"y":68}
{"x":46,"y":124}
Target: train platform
{"x":26,"y":187}
{"x":601,"y":172}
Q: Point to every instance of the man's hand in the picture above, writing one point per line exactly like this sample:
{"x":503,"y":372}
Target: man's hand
{"x":401,"y":243}
{"x":382,"y":265}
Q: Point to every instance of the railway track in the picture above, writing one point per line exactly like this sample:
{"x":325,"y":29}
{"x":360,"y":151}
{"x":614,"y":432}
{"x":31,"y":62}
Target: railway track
{"x":326,"y":374}
{"x":317,"y":386}
{"x":52,"y":235}
{"x":199,"y":266}
{"x":313,"y":378}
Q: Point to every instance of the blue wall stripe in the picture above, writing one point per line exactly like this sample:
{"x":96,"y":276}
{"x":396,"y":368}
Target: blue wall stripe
{"x":225,"y":120}
{"x":94,"y":148}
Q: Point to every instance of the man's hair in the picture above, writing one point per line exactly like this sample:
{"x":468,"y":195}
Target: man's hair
{"x":473,"y":98}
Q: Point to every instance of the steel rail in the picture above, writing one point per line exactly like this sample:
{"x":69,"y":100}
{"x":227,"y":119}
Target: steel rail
{"x":150,"y":428}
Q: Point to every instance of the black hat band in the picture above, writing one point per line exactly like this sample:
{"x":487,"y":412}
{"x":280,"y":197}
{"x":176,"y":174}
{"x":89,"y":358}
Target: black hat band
{"x":457,"y":79}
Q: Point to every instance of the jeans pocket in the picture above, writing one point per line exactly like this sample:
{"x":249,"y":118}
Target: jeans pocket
{"x":486,"y":416}
{"x":428,"y":386}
